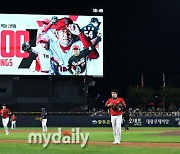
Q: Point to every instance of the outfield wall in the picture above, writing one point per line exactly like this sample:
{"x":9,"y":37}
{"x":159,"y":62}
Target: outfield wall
{"x":98,"y":121}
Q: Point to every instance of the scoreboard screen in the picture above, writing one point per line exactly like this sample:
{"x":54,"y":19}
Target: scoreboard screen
{"x":53,"y":45}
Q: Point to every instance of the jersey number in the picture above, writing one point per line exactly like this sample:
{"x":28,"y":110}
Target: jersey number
{"x":89,"y":34}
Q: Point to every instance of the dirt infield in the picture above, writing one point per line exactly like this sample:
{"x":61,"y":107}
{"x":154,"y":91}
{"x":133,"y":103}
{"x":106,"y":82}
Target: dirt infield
{"x":170,"y":133}
{"x":100,"y":143}
{"x":138,"y":144}
{"x":132,"y":144}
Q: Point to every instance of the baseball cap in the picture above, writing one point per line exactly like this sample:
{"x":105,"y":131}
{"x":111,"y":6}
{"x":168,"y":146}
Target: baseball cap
{"x":63,"y":22}
{"x":75,"y":47}
{"x":93,"y":20}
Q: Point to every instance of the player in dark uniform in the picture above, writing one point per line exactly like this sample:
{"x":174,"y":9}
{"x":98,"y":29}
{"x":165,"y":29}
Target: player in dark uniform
{"x":92,"y":29}
{"x":77,"y":64}
{"x":126,"y":117}
{"x":44,"y":120}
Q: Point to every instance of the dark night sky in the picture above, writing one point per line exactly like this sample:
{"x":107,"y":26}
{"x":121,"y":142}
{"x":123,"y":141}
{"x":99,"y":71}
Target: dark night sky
{"x":140,"y":36}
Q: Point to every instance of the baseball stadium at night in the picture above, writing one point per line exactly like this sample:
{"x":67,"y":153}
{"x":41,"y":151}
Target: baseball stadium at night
{"x":90,"y":77}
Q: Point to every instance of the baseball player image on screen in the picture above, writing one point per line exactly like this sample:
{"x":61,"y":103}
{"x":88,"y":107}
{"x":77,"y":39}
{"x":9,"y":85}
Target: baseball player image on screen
{"x":67,"y":35}
{"x":92,"y":29}
{"x":5,"y":113}
{"x":45,"y":62}
{"x":47,"y":25}
{"x":77,"y":64}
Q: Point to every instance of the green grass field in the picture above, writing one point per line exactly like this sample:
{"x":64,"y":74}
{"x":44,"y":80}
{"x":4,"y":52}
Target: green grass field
{"x":98,"y":134}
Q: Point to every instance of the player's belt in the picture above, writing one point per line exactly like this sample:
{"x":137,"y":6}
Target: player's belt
{"x":5,"y":117}
{"x":116,"y":115}
{"x":62,"y":69}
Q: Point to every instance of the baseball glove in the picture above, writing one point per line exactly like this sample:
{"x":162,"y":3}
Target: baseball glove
{"x":38,"y":118}
{"x":26,"y":47}
{"x":5,"y":112}
{"x":117,"y":107}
